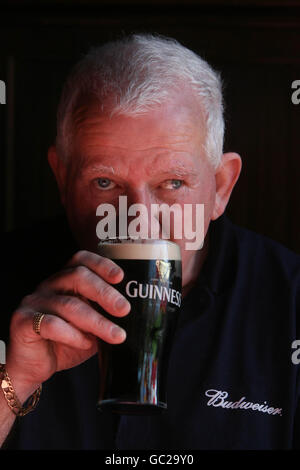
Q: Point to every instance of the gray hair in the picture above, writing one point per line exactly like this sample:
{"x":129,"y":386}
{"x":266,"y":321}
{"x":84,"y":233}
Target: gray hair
{"x":133,"y":75}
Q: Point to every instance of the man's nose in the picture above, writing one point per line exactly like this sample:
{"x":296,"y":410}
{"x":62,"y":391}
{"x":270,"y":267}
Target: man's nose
{"x":141,"y":203}
{"x":140,"y":196}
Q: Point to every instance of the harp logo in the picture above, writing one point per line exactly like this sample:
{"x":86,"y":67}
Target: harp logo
{"x":2,"y":92}
{"x":163,"y":269}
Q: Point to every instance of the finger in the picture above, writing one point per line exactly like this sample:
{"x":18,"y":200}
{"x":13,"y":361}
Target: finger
{"x":104,"y":267}
{"x":82,"y":316}
{"x":58,"y":330}
{"x":53,"y":328}
{"x":84,"y":282}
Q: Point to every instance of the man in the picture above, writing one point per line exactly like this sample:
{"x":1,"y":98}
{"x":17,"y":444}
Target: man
{"x":142,"y":117}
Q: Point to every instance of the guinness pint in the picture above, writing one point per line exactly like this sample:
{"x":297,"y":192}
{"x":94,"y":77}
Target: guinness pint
{"x":133,"y":374}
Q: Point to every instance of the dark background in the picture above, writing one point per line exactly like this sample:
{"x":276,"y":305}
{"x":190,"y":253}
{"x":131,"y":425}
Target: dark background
{"x":256,"y":46}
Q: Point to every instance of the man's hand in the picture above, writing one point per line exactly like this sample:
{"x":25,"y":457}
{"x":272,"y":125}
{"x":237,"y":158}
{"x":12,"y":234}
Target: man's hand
{"x":71,"y":326}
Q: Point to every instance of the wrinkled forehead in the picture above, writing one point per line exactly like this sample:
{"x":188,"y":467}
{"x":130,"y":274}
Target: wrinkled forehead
{"x":173,"y":127}
{"x":167,"y":137}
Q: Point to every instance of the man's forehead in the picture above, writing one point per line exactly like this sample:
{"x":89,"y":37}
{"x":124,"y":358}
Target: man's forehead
{"x":117,"y":146}
{"x":166,"y":137}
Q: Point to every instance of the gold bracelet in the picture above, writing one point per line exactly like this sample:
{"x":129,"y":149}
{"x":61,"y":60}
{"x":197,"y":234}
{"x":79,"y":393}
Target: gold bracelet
{"x":11,"y":397}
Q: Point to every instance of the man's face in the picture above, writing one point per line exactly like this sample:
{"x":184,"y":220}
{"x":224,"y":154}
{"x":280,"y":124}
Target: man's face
{"x":154,"y":158}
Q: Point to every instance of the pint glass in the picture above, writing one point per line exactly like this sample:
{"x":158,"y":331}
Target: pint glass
{"x":133,"y":374}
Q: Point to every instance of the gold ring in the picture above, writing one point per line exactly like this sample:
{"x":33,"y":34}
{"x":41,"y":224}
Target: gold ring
{"x":37,"y":320}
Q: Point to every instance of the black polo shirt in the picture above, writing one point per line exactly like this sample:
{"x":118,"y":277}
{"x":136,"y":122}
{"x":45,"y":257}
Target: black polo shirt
{"x":231,"y":381}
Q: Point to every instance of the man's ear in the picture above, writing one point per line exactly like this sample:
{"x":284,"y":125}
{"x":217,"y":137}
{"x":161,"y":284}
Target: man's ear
{"x":59,"y":170}
{"x":226,"y":176}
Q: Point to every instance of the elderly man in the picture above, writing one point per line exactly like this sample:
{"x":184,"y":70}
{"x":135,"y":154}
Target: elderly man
{"x":143,"y":117}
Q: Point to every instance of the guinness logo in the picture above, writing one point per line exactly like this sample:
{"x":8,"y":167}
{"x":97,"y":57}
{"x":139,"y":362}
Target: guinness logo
{"x":152,"y":291}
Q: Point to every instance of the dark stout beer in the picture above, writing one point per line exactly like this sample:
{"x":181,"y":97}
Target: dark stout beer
{"x":133,"y":374}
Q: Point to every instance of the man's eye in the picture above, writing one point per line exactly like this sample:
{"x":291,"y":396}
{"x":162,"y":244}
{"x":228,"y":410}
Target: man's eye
{"x":105,"y":183}
{"x":172,"y":184}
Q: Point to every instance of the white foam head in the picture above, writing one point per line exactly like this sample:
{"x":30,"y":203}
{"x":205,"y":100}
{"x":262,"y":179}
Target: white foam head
{"x":139,"y":249}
